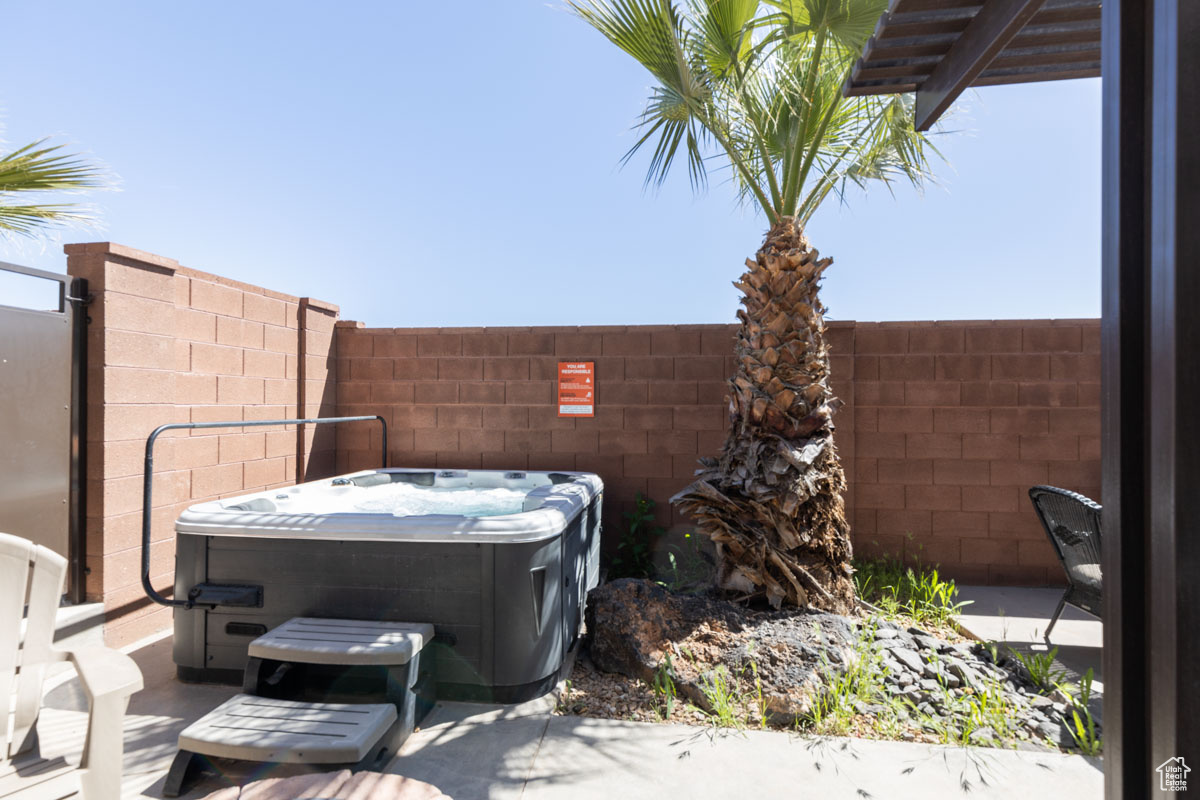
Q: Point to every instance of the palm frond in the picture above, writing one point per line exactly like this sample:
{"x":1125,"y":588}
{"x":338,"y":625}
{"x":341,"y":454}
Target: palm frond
{"x":27,"y":220}
{"x":848,"y":22}
{"x":760,"y":83}
{"x":36,"y":169}
{"x":726,"y":30}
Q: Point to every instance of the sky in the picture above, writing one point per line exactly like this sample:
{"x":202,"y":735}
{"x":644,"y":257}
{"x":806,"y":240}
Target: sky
{"x":444,"y":164}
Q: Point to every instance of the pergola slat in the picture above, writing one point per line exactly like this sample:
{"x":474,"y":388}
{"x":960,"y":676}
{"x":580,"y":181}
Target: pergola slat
{"x":1040,"y":73}
{"x":938,"y":48}
{"x":923,"y":55}
{"x":990,"y":31}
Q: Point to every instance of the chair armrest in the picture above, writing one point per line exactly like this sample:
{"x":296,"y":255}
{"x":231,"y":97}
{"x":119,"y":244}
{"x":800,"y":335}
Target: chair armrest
{"x":104,"y":671}
{"x":109,"y":677}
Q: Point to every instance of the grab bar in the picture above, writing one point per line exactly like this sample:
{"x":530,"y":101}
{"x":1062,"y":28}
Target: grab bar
{"x":148,"y":479}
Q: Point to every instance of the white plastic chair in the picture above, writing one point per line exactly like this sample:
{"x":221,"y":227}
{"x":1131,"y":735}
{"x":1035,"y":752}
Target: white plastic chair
{"x":32,"y":576}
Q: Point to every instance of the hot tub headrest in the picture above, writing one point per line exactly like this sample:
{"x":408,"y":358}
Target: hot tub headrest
{"x":558,"y":477}
{"x":257,"y":504}
{"x":378,"y":478}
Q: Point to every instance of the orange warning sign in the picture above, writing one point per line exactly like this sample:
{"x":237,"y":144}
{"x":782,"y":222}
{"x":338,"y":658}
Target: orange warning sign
{"x":576,"y":389}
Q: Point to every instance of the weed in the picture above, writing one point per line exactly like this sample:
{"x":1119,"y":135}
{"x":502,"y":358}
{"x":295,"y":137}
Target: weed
{"x":721,"y":690}
{"x":664,"y":687}
{"x":760,"y":703}
{"x":688,"y":566}
{"x":1081,"y":725}
{"x":635,"y":552}
{"x":858,"y":689}
{"x":989,"y":706}
{"x":563,"y":706}
{"x":1040,"y":667}
{"x":730,"y":704}
{"x":917,"y":592}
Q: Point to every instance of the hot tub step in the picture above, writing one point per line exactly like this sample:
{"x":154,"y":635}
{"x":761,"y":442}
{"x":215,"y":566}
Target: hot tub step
{"x":248,"y":728}
{"x":312,"y":640}
{"x":342,"y":660}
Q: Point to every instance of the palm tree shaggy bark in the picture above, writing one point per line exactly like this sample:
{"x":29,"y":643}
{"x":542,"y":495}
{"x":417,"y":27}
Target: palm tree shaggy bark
{"x":761,"y":83}
{"x":772,"y":502}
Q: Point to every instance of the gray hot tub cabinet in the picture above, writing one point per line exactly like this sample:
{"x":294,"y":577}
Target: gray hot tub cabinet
{"x":505,"y":594}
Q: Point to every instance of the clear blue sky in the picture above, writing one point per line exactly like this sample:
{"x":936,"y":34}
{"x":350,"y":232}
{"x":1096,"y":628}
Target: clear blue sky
{"x":456,"y":164}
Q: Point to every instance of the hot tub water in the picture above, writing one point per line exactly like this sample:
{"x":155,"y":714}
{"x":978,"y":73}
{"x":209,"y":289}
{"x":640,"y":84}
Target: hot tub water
{"x":404,"y":500}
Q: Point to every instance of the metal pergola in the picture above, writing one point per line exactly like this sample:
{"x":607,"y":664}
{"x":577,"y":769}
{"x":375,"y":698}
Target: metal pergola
{"x":1148,"y":54}
{"x":939,"y":48}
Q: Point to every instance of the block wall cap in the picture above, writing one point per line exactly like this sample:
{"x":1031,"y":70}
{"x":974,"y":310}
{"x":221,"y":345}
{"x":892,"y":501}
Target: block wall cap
{"x":242,"y":286}
{"x":121,"y":251}
{"x":321,"y":305}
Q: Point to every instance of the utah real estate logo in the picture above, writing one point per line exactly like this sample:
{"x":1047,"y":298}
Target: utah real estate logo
{"x":1172,"y":775}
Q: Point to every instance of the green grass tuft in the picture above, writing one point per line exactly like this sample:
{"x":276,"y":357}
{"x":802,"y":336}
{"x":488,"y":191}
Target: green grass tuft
{"x":917,"y":592}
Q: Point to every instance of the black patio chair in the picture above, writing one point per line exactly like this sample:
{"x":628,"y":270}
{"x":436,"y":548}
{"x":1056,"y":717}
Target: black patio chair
{"x":1072,"y":522}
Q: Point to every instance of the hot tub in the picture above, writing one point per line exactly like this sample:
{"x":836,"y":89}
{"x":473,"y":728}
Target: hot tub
{"x":503,"y":580}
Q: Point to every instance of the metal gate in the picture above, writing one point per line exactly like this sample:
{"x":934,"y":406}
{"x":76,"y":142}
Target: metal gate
{"x":43,"y":329}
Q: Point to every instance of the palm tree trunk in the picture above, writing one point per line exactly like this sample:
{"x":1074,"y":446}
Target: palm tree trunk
{"x":772,"y":502}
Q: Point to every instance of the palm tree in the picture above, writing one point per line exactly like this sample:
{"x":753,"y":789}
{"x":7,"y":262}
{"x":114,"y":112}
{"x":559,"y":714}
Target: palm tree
{"x":35,"y":169}
{"x":759,"y":87}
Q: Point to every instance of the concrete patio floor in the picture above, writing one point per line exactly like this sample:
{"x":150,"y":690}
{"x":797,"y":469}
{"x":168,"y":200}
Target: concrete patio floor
{"x":1018,"y":616}
{"x":473,"y":751}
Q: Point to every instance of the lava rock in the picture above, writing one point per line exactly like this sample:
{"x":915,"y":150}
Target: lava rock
{"x":959,"y":669}
{"x":1056,"y":732}
{"x":982,"y":736}
{"x":925,"y":641}
{"x":908,"y":658}
{"x":935,"y":670}
{"x":635,"y":625}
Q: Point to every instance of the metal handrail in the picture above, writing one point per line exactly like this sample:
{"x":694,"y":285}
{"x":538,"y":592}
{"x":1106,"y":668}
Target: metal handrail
{"x":148,"y":479}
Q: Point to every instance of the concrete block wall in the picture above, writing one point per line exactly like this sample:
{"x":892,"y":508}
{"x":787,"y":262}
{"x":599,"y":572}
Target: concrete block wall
{"x":485,"y":398}
{"x":171,"y":344}
{"x":946,"y":424}
{"x":954,"y":422}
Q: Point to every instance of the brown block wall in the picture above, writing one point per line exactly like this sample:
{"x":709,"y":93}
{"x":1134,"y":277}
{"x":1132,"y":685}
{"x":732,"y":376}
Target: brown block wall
{"x":485,"y":398}
{"x":171,"y":344}
{"x":946,"y":424}
{"x":954,"y":422}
